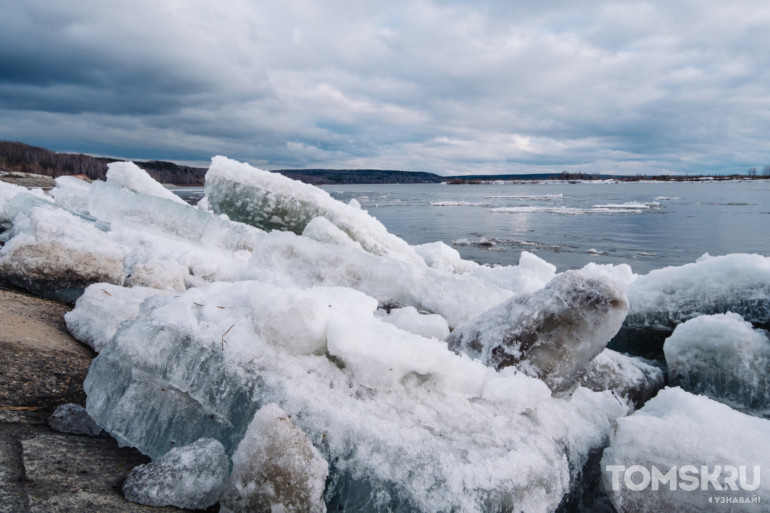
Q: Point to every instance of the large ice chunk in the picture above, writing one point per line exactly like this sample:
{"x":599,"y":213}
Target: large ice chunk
{"x":688,"y":453}
{"x":552,"y":334}
{"x":274,"y":202}
{"x":131,"y":176}
{"x":664,"y":298}
{"x":173,"y":220}
{"x":322,"y":230}
{"x":632,"y":378}
{"x":101,"y":308}
{"x":723,"y":357}
{"x":9,"y":191}
{"x":192,"y":476}
{"x":285,"y":259}
{"x":405,"y":424}
{"x":71,"y":193}
{"x":275,"y":468}
{"x":54,"y":253}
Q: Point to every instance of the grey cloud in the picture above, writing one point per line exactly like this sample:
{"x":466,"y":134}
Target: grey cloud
{"x":448,"y":87}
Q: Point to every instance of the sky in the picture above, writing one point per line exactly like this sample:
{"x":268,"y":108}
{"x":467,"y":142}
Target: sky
{"x":450,"y":87}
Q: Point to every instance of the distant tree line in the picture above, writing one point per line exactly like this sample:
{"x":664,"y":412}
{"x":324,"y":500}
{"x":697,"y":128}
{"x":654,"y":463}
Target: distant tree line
{"x":765,"y":171}
{"x":362,"y":176}
{"x":16,"y":156}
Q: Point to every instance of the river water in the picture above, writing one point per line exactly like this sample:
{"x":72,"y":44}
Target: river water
{"x":647,"y":225}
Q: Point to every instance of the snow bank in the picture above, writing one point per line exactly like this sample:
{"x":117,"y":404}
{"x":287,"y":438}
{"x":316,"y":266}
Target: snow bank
{"x":723,"y":357}
{"x":273,"y":202}
{"x":552,"y":334}
{"x":718,"y":456}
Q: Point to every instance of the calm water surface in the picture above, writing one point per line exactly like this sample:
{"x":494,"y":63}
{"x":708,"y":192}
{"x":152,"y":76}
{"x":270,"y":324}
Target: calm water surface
{"x":647,"y":225}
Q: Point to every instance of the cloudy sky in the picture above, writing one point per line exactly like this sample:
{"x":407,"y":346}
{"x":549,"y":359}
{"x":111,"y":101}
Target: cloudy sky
{"x":452,"y":87}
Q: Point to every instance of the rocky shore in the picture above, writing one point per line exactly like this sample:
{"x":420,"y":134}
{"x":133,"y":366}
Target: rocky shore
{"x":42,"y":470}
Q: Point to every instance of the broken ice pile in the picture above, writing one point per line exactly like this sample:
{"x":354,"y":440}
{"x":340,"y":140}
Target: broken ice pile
{"x":482,"y":389}
{"x":665,"y":298}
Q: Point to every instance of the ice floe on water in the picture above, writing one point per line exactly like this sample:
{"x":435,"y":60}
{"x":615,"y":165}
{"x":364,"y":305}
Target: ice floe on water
{"x":631,"y":207}
{"x":458,"y":204}
{"x":403,"y":378}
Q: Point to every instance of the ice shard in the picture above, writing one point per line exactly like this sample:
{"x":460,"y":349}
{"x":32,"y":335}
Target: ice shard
{"x":553,"y":334}
{"x":131,"y":176}
{"x":101,"y":308}
{"x":274,"y":202}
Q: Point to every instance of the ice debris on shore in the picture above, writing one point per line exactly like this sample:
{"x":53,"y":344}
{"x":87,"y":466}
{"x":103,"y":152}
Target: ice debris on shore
{"x":552,"y":334}
{"x":634,"y":379}
{"x":723,"y":357}
{"x":207,"y":319}
{"x":681,"y":450}
{"x":55,"y":253}
{"x":271,"y":201}
{"x":192,"y":476}
{"x":275,"y":468}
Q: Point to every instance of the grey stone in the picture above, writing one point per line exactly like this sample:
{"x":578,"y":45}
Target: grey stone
{"x":73,"y":418}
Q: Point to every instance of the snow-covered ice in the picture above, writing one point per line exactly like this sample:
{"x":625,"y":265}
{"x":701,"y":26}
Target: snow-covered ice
{"x":715,"y":451}
{"x":553,"y":333}
{"x":192,"y":476}
{"x":723,"y":357}
{"x":273,"y":202}
{"x":275,"y":468}
{"x":337,"y":331}
{"x":54,"y":253}
{"x":738,"y":283}
{"x":132,"y":177}
{"x":404,"y":422}
{"x":101,"y":308}
{"x":632,"y":378}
